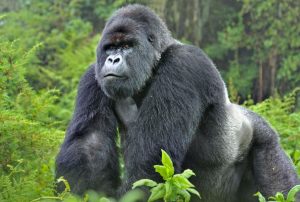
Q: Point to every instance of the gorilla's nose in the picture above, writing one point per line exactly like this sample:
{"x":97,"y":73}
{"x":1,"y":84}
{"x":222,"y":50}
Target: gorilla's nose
{"x":113,"y":60}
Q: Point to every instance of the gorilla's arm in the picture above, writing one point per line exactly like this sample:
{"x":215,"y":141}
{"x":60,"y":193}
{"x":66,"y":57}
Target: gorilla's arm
{"x":88,"y":157}
{"x":273,"y":170}
{"x":169,"y":114}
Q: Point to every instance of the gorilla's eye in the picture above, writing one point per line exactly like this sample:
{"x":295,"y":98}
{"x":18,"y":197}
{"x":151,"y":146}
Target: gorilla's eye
{"x":125,"y":46}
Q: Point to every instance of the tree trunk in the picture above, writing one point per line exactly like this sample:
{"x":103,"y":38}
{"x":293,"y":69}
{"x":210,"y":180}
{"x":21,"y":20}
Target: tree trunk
{"x":189,"y":18}
{"x":260,"y":82}
{"x":273,"y":68}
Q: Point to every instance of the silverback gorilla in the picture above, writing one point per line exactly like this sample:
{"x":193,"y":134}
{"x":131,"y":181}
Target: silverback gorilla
{"x":162,"y":94}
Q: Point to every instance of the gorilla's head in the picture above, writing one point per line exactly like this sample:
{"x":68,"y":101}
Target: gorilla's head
{"x":132,"y":42}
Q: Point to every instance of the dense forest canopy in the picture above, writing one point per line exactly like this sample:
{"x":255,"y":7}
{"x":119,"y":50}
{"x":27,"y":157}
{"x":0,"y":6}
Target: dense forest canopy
{"x":45,"y":46}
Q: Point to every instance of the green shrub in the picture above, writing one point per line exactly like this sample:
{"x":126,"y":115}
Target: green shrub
{"x":176,"y":187}
{"x":28,"y":138}
{"x":279,"y":197}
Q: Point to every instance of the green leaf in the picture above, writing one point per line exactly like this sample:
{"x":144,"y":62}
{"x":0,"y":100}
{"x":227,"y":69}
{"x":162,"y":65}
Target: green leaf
{"x":144,"y":182}
{"x":292,"y":193}
{"x":157,"y":192}
{"x":279,"y":197}
{"x":168,"y":193}
{"x":167,"y":162}
{"x":181,"y":182}
{"x":261,"y":198}
{"x":162,"y":170}
{"x":193,"y":191}
{"x":187,"y":173}
{"x":273,"y":198}
{"x":186,"y":195}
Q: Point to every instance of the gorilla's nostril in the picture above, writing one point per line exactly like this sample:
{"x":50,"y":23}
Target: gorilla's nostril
{"x":110,"y":60}
{"x":116,"y":60}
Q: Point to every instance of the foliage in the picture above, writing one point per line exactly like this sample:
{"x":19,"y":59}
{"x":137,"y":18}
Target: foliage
{"x":259,"y":48}
{"x":280,"y":113}
{"x":176,"y":187}
{"x":28,"y":138}
{"x":9,"y":182}
{"x":279,"y":197}
{"x":65,"y":49}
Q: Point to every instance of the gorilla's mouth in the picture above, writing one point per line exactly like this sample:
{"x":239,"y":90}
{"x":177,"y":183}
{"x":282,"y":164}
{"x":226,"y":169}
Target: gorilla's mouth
{"x":111,"y":75}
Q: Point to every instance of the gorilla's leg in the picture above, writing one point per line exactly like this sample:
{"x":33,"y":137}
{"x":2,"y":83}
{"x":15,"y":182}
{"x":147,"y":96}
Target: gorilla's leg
{"x":88,"y":157}
{"x":273,"y":170}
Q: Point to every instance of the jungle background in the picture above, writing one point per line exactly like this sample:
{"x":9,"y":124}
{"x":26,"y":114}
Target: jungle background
{"x":45,"y":46}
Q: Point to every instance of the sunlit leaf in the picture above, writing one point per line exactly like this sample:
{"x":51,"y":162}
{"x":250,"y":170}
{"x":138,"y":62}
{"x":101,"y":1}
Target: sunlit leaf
{"x":167,"y":162}
{"x":144,"y":182}
{"x":157,"y":192}
{"x":185,"y":194}
{"x":279,"y":197}
{"x":162,"y":170}
{"x":168,"y":187}
{"x":182,"y":182}
{"x":261,"y":198}
{"x":292,"y":193}
{"x":193,"y":191}
{"x":188,"y":173}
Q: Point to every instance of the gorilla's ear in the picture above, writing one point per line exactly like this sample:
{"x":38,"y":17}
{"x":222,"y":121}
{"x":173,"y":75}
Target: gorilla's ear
{"x":151,"y":38}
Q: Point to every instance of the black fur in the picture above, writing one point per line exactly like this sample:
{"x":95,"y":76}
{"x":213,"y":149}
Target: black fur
{"x":167,"y":96}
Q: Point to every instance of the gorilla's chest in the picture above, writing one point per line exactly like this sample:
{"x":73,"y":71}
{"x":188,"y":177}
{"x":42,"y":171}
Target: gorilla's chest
{"x":126,"y":111}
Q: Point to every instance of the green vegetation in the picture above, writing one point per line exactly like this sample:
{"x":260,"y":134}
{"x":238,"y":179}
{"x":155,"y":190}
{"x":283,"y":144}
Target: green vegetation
{"x":176,"y":187}
{"x":279,"y":197}
{"x":45,"y":46}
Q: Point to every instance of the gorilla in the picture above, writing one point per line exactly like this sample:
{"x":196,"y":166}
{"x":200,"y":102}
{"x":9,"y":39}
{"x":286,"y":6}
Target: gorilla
{"x":162,"y":94}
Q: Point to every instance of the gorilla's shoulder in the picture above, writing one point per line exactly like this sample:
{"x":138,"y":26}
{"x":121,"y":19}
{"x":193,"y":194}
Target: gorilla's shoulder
{"x":191,"y":66}
{"x":186,"y":53}
{"x":188,"y":58}
{"x":88,"y":79}
{"x":89,"y":73}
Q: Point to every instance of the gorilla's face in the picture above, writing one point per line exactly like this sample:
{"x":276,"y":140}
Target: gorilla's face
{"x":125,"y":58}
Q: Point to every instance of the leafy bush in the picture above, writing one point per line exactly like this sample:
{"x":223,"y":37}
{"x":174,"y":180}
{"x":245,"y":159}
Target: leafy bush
{"x":28,"y":138}
{"x":176,"y":187}
{"x":279,"y":197}
{"x":66,"y":47}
